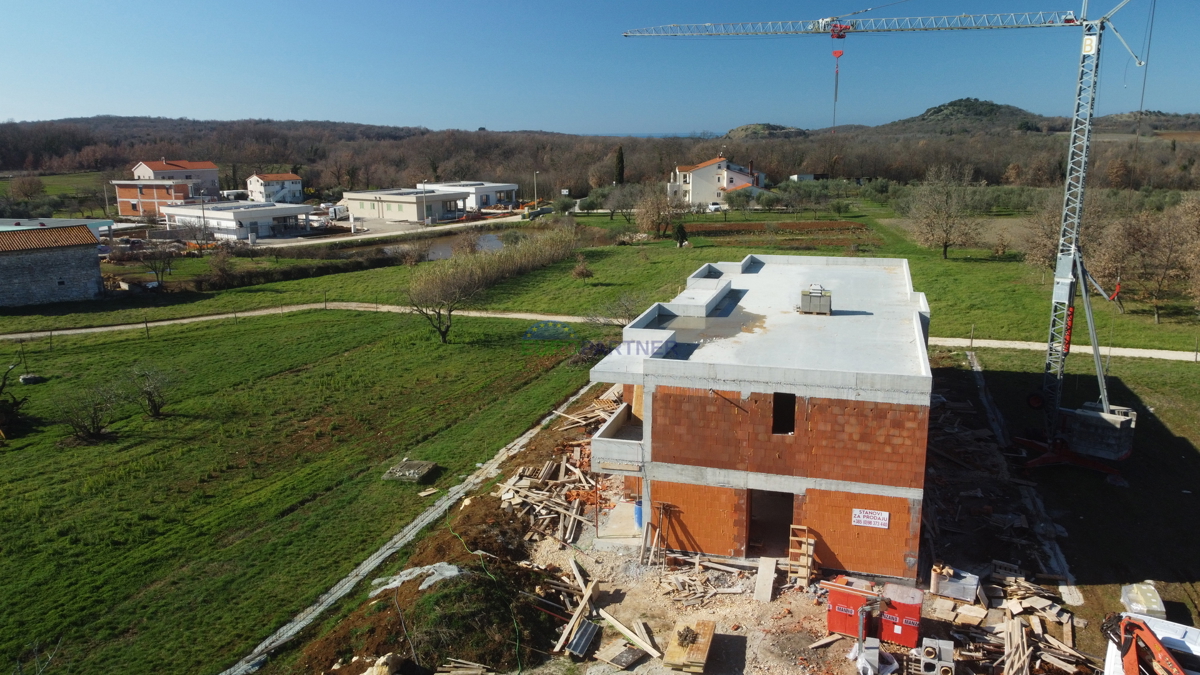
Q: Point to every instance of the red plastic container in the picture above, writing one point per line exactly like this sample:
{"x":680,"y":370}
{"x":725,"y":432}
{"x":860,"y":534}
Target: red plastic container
{"x":846,"y":595}
{"x":900,"y":619}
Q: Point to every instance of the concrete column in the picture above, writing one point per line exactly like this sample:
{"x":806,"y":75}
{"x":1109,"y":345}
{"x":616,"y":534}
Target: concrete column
{"x":647,"y":451}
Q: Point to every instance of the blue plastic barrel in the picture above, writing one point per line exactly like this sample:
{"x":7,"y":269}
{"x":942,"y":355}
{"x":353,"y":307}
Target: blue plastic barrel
{"x":637,"y":513}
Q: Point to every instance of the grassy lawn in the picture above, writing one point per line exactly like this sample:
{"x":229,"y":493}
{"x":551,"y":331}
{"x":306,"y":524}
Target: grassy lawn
{"x":64,"y":184}
{"x":183,"y":270}
{"x":182,"y":543}
{"x":1121,"y":535}
{"x":1000,"y":298}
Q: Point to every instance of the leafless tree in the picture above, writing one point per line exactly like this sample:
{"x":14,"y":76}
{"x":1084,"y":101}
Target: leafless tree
{"x":197,"y":231}
{"x":657,"y":212}
{"x":10,"y":405}
{"x":89,"y":411}
{"x":940,"y":211}
{"x":623,"y":200}
{"x":1148,"y":252}
{"x":157,"y":261}
{"x":150,"y":387}
{"x":24,"y":188}
{"x":437,"y":290}
{"x":619,"y":312}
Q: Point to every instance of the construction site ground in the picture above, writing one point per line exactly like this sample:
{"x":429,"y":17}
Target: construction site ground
{"x":979,"y":508}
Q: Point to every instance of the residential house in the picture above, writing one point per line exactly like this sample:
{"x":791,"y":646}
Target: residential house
{"x":281,"y":188}
{"x":40,"y":265}
{"x":744,"y":416}
{"x":710,"y":181}
{"x":204,"y":175}
{"x":480,"y":194}
{"x":411,"y":204}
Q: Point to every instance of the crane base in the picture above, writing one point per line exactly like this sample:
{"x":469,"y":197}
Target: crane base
{"x":1058,"y":453}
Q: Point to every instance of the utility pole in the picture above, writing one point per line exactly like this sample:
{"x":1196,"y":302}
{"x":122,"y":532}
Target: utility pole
{"x":535,"y":199}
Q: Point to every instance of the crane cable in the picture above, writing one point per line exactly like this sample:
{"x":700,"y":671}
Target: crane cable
{"x":1146,"y":43}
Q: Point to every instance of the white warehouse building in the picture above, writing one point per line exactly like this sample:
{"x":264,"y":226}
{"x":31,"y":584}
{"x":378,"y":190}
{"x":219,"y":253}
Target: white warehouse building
{"x":480,"y":194}
{"x":240,"y":220}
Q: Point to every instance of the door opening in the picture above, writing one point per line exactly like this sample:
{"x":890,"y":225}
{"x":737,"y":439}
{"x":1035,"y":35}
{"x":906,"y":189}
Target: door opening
{"x":770,"y":523}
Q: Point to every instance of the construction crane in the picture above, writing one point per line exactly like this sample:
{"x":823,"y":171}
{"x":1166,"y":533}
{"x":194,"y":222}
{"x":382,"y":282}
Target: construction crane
{"x":1098,"y":430}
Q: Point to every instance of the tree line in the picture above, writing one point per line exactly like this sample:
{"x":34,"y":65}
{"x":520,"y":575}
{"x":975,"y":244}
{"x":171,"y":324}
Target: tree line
{"x":332,"y":156}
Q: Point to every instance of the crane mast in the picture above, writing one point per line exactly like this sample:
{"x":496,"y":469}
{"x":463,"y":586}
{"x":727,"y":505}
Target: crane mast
{"x":1070,"y":274}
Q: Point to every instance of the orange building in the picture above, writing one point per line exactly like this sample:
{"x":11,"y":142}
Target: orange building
{"x":746,"y":412}
{"x":163,"y":183}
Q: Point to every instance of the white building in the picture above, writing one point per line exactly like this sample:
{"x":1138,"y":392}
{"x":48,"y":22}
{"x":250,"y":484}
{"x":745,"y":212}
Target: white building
{"x":281,"y":188}
{"x":481,"y":194}
{"x":406,"y":204}
{"x":710,"y":181}
{"x":203,"y":176}
{"x":240,"y":220}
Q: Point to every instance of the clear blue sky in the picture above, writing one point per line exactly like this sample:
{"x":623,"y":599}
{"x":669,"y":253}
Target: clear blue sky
{"x":556,"y":65}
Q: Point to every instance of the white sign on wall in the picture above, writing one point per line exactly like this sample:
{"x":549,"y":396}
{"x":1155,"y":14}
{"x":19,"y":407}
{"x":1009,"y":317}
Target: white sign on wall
{"x":869,"y":518}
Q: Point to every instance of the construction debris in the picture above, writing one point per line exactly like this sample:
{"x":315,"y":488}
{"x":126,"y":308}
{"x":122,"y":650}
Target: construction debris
{"x":553,"y":497}
{"x":410,"y":471}
{"x":600,"y":411}
{"x":460,"y":667}
{"x":689,"y":646}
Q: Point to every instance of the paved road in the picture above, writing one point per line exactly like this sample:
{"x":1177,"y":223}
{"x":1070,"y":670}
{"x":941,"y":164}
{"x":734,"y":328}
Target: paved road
{"x":530,"y":316}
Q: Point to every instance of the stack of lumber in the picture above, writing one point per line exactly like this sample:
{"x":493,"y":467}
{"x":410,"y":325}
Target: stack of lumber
{"x":1009,"y":629}
{"x":689,"y":657}
{"x":599,"y":411}
{"x":579,"y":453}
{"x":696,"y":588}
{"x":551,"y":497}
{"x":460,"y":667}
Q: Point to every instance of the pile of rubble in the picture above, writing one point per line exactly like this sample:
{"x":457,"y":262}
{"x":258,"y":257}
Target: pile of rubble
{"x":553,"y":497}
{"x":1006,"y":624}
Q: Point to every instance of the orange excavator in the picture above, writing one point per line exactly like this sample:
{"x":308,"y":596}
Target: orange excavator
{"x":1141,"y":651}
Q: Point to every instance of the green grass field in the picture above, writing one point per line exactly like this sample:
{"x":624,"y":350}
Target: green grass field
{"x":1001,"y":298}
{"x":182,"y":543}
{"x":64,"y":184}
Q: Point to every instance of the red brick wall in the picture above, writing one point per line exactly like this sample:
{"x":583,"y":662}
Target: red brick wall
{"x":703,"y":519}
{"x":843,"y":546}
{"x":860,"y":441}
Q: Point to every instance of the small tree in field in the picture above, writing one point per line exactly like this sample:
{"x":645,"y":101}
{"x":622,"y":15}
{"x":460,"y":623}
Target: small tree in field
{"x":24,"y":188}
{"x":89,"y":411}
{"x":439,"y":289}
{"x":740,"y":199}
{"x":940,"y":212}
{"x":157,"y":261}
{"x":149,"y":387}
{"x":768,"y":200}
{"x":657,"y":212}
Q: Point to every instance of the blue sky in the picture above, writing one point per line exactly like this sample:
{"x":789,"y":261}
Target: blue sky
{"x":557,"y":65}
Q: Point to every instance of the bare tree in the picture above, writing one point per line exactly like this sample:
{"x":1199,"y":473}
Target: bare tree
{"x":157,"y":261}
{"x":940,"y":211}
{"x":150,"y":387}
{"x":619,"y":312}
{"x":657,"y":212}
{"x":24,"y":188}
{"x":197,"y":231}
{"x":10,"y":405}
{"x":439,"y":289}
{"x":623,"y":200}
{"x":1151,"y":250}
{"x":89,"y":411}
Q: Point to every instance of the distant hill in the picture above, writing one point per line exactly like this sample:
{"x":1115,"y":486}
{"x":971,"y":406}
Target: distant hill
{"x":971,"y":115}
{"x":763,"y":130}
{"x":1152,"y":120}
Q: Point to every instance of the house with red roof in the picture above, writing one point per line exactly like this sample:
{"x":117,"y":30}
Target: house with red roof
{"x":709,"y":182}
{"x":165,"y":183}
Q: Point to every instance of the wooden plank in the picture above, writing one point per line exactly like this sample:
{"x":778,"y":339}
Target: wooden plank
{"x":620,"y":654}
{"x":1069,"y":632}
{"x":629,"y":635}
{"x":1036,"y":624}
{"x":676,"y":654}
{"x":579,"y":613}
{"x":1059,"y":663}
{"x":697,"y":654}
{"x":578,"y":571}
{"x":826,"y":641}
{"x":764,"y":584}
{"x":721,"y":568}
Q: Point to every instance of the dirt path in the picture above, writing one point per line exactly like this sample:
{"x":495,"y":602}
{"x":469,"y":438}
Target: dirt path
{"x":532,"y":316}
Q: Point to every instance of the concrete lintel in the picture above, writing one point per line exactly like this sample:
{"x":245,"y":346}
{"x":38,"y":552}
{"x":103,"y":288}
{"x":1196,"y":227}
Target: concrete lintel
{"x":748,"y":480}
{"x":896,"y":389}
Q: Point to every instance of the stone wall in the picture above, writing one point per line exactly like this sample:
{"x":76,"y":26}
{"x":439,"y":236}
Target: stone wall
{"x":43,"y":276}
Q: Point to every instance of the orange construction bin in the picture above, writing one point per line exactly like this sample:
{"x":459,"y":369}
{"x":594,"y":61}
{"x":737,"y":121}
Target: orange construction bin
{"x":900,"y":619}
{"x":846,"y":596}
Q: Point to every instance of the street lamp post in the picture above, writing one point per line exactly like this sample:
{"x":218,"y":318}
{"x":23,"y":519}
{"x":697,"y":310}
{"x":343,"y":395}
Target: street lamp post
{"x":421,"y":198}
{"x":535,"y":199}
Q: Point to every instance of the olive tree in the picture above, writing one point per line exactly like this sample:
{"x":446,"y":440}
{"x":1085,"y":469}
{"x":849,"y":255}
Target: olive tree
{"x":940,"y":211}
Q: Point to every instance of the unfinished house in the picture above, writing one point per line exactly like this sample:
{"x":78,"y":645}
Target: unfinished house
{"x":778,"y":391}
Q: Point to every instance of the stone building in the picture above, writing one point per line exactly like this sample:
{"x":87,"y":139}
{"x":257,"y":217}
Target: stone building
{"x":744,"y":415}
{"x":52,"y":264}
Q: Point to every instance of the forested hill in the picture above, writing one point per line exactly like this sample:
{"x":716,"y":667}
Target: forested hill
{"x":1001,"y":143}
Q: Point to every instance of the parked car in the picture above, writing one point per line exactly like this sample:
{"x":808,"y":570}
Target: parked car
{"x":713,"y":207}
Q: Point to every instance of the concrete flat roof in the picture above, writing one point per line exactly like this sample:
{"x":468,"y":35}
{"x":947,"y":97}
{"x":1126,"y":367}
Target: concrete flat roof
{"x":215,"y":209}
{"x":406,"y":193}
{"x":470,"y":185}
{"x":737,"y":327}
{"x":17,"y":224}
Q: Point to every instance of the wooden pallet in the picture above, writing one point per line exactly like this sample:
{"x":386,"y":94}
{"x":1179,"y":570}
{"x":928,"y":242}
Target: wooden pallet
{"x":801,"y":563}
{"x":689,"y":658}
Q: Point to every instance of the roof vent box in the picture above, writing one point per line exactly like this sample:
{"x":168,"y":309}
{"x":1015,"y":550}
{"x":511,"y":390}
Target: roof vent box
{"x":816,"y":299}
